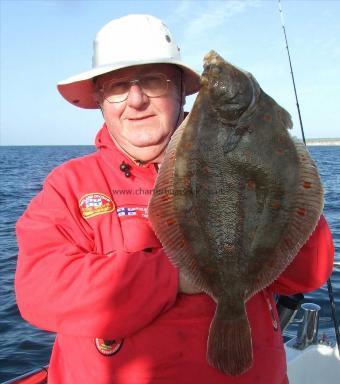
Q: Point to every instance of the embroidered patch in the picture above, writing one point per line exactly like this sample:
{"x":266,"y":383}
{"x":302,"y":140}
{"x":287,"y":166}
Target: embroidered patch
{"x":132,"y":211}
{"x":108,"y":347}
{"x":93,"y":204}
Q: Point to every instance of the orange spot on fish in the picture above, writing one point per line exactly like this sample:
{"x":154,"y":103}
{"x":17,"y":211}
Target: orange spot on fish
{"x":209,"y":270}
{"x":281,"y":140}
{"x":251,"y":184}
{"x":186,"y":182}
{"x":229,"y":247}
{"x":280,"y":151}
{"x":170,"y":222}
{"x":271,"y":263}
{"x":252,"y":235}
{"x":267,"y":117}
{"x":287,"y":241}
{"x":192,"y":222}
{"x":307,"y":185}
{"x":205,"y":170}
{"x":301,"y":211}
{"x":188,"y":145}
{"x":275,"y":204}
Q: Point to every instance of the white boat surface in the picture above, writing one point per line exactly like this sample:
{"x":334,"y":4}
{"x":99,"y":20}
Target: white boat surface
{"x":317,"y":364}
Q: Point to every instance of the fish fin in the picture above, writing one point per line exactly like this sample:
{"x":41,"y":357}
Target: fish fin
{"x":309,"y":203}
{"x":305,"y":214}
{"x":164,"y":219}
{"x":229,"y":344}
{"x":285,"y":118}
{"x":234,"y":137}
{"x":231,"y":143}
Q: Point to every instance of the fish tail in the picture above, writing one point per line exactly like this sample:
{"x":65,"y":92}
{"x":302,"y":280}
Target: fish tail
{"x":229,"y":344}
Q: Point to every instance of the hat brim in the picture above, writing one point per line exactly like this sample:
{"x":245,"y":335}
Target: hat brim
{"x":79,"y":89}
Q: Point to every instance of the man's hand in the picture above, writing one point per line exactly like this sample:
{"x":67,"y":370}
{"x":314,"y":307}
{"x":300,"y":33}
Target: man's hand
{"x":185,"y":286}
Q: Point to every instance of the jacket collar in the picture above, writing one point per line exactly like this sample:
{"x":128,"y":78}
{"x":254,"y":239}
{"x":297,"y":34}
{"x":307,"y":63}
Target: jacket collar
{"x":112,"y":153}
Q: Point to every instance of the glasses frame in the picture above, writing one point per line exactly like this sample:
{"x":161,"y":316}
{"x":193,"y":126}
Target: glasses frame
{"x":133,"y":82}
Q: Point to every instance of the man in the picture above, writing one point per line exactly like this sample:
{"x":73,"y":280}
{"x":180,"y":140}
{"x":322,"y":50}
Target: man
{"x":90,"y":267}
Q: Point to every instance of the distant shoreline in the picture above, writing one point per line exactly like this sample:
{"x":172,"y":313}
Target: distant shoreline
{"x":324,"y":142}
{"x":309,"y":142}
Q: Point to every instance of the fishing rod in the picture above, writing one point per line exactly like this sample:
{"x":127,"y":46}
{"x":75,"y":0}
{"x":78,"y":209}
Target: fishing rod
{"x":291,"y":72}
{"x":329,"y":283}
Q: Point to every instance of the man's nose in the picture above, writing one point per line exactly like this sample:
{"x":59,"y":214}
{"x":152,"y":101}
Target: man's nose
{"x":136,"y":96}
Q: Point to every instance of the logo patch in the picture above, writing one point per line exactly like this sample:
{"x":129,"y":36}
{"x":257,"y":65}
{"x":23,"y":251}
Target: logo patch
{"x":108,"y":347}
{"x":93,"y":204}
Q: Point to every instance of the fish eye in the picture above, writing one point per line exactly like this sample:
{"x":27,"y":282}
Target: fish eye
{"x":212,"y":69}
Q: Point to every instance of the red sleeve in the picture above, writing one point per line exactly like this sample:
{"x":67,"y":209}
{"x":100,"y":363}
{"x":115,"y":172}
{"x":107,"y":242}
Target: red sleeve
{"x":62,"y":285}
{"x":312,"y":266}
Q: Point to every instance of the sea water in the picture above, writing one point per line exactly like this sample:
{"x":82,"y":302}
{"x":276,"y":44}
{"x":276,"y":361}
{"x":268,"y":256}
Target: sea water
{"x":23,"y":169}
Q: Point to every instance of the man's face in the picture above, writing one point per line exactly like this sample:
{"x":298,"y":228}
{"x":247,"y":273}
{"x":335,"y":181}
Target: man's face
{"x":142,"y":125}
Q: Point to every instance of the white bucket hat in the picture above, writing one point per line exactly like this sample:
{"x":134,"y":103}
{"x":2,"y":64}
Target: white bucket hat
{"x":125,"y":42}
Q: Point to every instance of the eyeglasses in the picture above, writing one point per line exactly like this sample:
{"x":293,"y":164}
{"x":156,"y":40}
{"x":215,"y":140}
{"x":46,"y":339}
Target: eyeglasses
{"x":152,"y":85}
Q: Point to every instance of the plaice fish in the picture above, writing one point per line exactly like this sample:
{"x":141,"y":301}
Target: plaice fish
{"x":235,"y":199}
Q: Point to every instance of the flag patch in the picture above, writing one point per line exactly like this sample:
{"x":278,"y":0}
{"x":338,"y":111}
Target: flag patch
{"x":132,"y":212}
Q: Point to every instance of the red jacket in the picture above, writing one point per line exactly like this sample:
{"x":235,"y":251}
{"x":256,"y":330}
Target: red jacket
{"x":91,"y":269}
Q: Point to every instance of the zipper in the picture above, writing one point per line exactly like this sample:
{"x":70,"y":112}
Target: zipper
{"x":271,"y":311}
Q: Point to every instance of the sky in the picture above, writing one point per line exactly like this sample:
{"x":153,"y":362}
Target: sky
{"x":46,"y":41}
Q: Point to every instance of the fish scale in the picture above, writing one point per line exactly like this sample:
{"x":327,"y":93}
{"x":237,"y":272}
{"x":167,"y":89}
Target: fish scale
{"x":245,"y":198}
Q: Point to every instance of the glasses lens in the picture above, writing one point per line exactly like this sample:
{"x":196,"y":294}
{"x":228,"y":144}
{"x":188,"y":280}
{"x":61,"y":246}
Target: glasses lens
{"x":117,"y":90}
{"x":154,"y":85}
